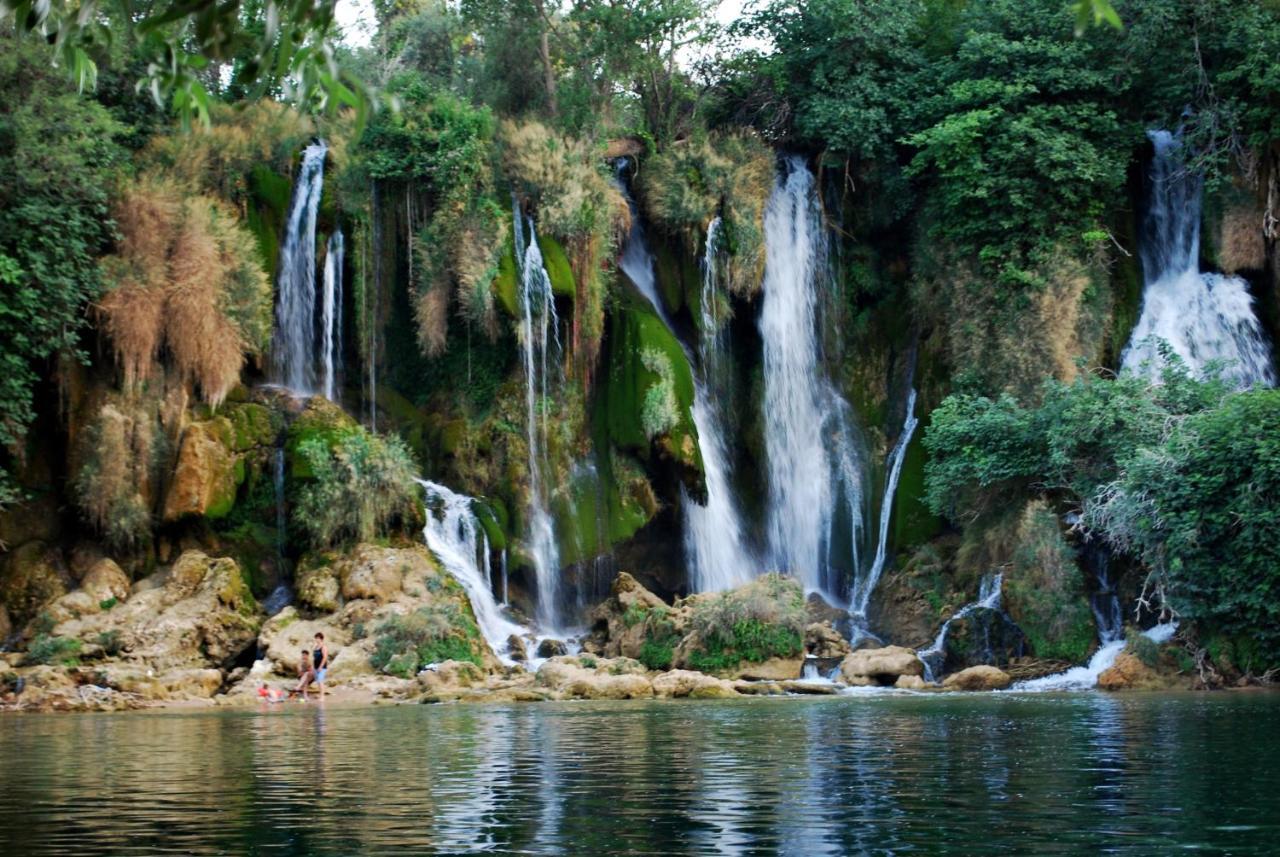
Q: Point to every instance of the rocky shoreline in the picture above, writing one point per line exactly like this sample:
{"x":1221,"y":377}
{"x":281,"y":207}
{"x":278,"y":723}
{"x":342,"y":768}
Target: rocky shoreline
{"x":401,"y":630}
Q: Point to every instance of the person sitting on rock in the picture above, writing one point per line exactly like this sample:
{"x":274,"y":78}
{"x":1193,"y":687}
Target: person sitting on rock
{"x":320,"y":654}
{"x":306,"y":675}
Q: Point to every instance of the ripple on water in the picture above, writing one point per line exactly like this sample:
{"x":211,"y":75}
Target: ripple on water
{"x":1000,"y":773}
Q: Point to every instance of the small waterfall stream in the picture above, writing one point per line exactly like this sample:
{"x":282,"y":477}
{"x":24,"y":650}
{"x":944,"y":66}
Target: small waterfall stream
{"x":295,"y":334}
{"x":331,"y":320}
{"x":539,"y":334}
{"x":1202,"y":316}
{"x":988,"y":599}
{"x":813,"y":471}
{"x":864,"y":585}
{"x":454,"y":535}
{"x":715,"y":544}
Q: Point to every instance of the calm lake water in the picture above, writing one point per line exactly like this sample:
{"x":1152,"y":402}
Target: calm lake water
{"x":1081,"y":773}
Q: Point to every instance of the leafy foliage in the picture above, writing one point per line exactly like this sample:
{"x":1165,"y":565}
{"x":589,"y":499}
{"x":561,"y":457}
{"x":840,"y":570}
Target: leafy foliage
{"x":753,"y":623}
{"x":47,"y":649}
{"x":1181,"y":475}
{"x":361,"y":485}
{"x":58,"y":160}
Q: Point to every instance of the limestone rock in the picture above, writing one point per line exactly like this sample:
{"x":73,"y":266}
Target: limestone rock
{"x":774,"y":669}
{"x":978,"y":678}
{"x":516,"y":648}
{"x":1130,"y":673}
{"x":450,"y":677}
{"x":619,"y":678}
{"x":619,"y":623}
{"x":31,"y":576}
{"x":379,"y":574}
{"x":809,"y":688}
{"x":316,"y":585}
{"x":286,"y":634}
{"x":105,"y":580}
{"x":822,"y":640}
{"x":910,"y":682}
{"x":203,"y":482}
{"x":879,"y":666}
{"x":696,"y":685}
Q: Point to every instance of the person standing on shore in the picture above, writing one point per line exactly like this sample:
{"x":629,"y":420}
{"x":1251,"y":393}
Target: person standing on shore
{"x":320,"y":654}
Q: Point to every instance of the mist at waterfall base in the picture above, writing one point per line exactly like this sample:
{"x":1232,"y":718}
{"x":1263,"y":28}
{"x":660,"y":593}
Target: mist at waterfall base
{"x":1202,"y":317}
{"x":931,"y":774}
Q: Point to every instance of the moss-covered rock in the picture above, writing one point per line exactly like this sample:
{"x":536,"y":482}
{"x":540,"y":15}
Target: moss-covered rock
{"x":253,"y":426}
{"x":630,"y":383}
{"x":320,"y":420}
{"x":204,"y":481}
{"x":31,"y":576}
{"x":316,"y":583}
{"x":556,"y":263}
{"x":506,"y":285}
{"x":1044,"y":591}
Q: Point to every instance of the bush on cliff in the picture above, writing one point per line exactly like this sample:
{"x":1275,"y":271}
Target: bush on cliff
{"x":1184,"y":476}
{"x":360,"y":486}
{"x":762,"y":620}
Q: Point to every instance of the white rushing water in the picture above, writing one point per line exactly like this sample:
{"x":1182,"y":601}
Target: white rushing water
{"x":454,"y":535}
{"x":812,"y":467}
{"x":1086,"y":677}
{"x":331,"y":317}
{"x":294,"y":342}
{"x":864,"y":585}
{"x":988,"y":599}
{"x":714,"y":541}
{"x":540,"y":339}
{"x":1202,"y":316}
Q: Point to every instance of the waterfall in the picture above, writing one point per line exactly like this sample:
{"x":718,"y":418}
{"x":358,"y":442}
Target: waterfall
{"x":295,"y":334}
{"x":813,"y":470}
{"x":539,"y":333}
{"x":505,"y":598}
{"x":988,"y":599}
{"x":863,"y":586}
{"x":452,"y":533}
{"x":1202,"y":316}
{"x":715,"y":546}
{"x":331,"y":320}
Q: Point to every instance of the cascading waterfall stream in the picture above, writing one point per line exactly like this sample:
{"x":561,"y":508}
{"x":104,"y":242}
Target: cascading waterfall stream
{"x":864,"y":585}
{"x":454,"y":535}
{"x":715,"y":546}
{"x":331,"y":319}
{"x":539,"y":333}
{"x":988,"y":599}
{"x":813,"y":471}
{"x":294,"y":340}
{"x":1202,"y":316}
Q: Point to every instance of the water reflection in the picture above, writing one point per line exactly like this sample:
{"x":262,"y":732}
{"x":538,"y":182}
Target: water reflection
{"x":1082,"y":772}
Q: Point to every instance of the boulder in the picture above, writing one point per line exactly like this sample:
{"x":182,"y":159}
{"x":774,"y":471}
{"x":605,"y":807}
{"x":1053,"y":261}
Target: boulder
{"x":880,"y":666}
{"x":809,"y":688}
{"x":286,"y":634}
{"x":696,"y":685}
{"x":619,"y":623}
{"x":450,"y":677}
{"x":774,"y":669}
{"x":31,"y":576}
{"x":203,"y":482}
{"x":105,"y":580}
{"x":516,"y":648}
{"x":316,"y":584}
{"x":379,"y":574}
{"x":550,"y":648}
{"x":617,"y":678}
{"x":982,"y":677}
{"x":822,"y":640}
{"x":911,"y":682}
{"x":1130,"y":673}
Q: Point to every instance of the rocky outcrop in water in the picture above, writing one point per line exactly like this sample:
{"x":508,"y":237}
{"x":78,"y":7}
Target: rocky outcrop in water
{"x":867,"y":667}
{"x":978,"y":678}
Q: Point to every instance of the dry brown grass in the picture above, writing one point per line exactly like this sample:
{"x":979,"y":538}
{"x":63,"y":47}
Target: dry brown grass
{"x":1241,"y":243}
{"x":184,"y":279}
{"x":113,"y":485}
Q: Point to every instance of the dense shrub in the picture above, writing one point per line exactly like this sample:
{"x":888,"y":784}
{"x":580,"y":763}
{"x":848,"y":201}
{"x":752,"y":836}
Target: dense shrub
{"x":360,"y":486}
{"x":753,"y":623}
{"x":47,"y":649}
{"x":429,"y":635}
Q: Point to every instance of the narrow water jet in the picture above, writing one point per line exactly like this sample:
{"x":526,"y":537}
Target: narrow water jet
{"x":331,"y":318}
{"x":865,"y":585}
{"x":294,"y":341}
{"x":1204,"y":317}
